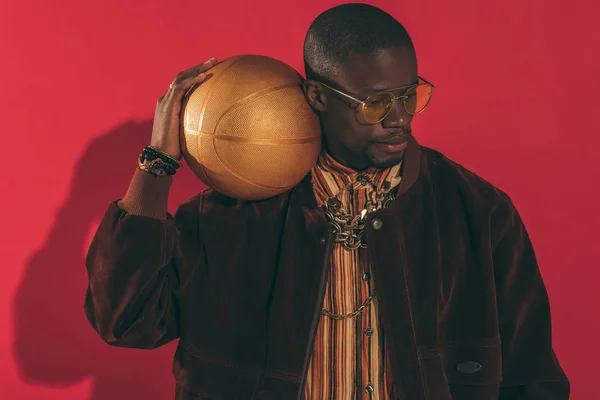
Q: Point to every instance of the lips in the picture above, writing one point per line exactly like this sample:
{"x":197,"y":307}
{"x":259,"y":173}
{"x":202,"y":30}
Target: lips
{"x":393,"y":136}
{"x":396,"y":140}
{"x":391,"y":146}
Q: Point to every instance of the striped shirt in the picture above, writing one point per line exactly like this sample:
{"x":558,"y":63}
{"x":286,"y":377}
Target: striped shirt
{"x":349,"y":361}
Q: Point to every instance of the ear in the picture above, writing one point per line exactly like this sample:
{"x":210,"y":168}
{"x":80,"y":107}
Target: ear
{"x":313,"y":91}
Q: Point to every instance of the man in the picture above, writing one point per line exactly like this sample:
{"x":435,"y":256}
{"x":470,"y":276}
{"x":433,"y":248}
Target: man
{"x":390,"y":272}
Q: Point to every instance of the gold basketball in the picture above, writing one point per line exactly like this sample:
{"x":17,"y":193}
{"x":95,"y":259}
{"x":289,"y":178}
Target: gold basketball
{"x":248,"y":131}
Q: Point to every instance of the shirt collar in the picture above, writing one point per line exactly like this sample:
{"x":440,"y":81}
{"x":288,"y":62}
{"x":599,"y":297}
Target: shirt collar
{"x":329,"y":176}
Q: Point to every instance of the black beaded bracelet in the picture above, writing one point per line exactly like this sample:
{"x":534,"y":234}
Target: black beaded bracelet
{"x":150,"y":154}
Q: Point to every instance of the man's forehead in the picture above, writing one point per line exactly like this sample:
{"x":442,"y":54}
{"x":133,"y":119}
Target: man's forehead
{"x":386,"y":69}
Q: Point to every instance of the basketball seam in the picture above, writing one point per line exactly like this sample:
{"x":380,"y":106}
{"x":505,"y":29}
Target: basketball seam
{"x":266,"y":142}
{"x":223,"y":160}
{"x":254,"y":95}
{"x":210,"y":90}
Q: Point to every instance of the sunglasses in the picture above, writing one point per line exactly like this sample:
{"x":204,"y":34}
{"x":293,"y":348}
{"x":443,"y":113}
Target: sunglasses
{"x":377,"y":106}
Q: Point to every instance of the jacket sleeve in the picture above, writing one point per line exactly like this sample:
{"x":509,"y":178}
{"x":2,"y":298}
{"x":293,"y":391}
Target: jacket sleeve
{"x":531,"y":369}
{"x":132,"y":282}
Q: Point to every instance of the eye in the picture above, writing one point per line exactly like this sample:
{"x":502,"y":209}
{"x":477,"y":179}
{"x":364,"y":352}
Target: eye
{"x":378,"y":100}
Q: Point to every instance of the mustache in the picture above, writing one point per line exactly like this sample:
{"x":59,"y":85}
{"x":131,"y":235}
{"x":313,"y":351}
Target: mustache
{"x":393,"y":134}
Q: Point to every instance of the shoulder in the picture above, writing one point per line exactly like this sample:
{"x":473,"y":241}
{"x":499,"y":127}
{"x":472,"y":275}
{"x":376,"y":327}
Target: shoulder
{"x":212,"y":205}
{"x":444,"y":169}
{"x":475,"y":191}
{"x":188,"y":212}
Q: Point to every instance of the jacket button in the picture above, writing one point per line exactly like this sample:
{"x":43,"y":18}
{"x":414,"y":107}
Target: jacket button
{"x":376,"y":223}
{"x":468,"y":367}
{"x":369,"y":389}
{"x":322,"y":240}
{"x":368,"y":331}
{"x":366,"y":276}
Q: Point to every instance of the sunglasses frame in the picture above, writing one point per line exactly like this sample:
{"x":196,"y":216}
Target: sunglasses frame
{"x":361,"y":103}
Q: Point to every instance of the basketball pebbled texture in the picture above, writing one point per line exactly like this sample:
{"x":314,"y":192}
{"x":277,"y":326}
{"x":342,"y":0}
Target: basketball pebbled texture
{"x":248,"y":131}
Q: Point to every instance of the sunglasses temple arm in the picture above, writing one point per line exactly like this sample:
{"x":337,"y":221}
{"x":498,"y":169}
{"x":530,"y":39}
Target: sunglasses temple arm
{"x":344,"y":94}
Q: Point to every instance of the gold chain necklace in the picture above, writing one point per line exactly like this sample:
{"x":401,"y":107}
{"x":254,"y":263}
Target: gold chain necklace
{"x":349,"y":315}
{"x":349,"y":229}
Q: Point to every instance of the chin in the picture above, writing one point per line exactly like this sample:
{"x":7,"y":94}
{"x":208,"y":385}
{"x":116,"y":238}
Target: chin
{"x":387,"y":161}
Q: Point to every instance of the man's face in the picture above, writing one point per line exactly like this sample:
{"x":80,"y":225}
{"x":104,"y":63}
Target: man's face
{"x":350,"y":140}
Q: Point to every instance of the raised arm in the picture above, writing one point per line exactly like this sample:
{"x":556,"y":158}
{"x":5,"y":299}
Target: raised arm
{"x":136,"y":257}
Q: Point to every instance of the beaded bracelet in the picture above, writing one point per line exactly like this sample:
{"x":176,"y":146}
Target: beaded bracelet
{"x":150,"y":153}
{"x":157,"y":167}
{"x":159,"y":163}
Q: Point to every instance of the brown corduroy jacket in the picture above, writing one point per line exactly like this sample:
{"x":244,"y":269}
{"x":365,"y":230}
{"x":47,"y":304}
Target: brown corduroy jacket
{"x":464,"y":309}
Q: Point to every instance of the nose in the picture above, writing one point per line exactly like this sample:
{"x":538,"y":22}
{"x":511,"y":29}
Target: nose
{"x":398,"y":117}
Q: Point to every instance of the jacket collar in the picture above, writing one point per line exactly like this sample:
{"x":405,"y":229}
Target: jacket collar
{"x":411,"y":166}
{"x":330,"y":177}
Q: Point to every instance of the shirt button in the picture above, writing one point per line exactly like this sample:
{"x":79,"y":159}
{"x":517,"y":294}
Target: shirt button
{"x":322,"y":240}
{"x":369,"y":389}
{"x":376,"y":223}
{"x":366,"y":276}
{"x":368,"y":331}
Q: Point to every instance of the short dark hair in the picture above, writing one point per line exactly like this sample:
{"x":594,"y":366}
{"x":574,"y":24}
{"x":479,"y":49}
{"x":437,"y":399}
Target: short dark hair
{"x":352,"y":28}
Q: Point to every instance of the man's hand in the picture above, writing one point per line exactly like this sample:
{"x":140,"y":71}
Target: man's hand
{"x":167,"y":117}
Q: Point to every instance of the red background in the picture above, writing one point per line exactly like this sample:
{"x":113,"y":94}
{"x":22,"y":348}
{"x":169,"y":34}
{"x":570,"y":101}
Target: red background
{"x":516,"y":101}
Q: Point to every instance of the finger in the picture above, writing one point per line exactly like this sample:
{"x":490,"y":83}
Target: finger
{"x":184,"y":76}
{"x":178,"y":92}
{"x":205,"y":66}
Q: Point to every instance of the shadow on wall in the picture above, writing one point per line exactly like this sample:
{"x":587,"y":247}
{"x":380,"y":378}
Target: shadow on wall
{"x":54,"y":344}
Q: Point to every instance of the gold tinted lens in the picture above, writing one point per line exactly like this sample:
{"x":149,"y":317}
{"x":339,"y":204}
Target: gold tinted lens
{"x":417,"y":98}
{"x":376,"y":107}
